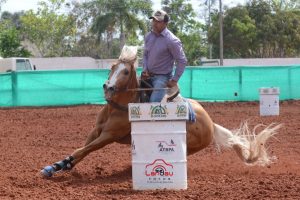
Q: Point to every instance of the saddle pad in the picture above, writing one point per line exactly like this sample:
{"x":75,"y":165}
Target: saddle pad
{"x":192,"y":114}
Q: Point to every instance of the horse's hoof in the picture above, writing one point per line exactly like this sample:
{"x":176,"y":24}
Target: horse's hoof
{"x":48,"y":171}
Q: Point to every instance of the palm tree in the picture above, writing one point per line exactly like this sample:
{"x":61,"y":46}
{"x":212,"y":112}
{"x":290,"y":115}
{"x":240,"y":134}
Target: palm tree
{"x":120,"y":17}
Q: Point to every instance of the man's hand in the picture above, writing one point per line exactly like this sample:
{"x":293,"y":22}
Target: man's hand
{"x":145,"y":75}
{"x":171,"y":83}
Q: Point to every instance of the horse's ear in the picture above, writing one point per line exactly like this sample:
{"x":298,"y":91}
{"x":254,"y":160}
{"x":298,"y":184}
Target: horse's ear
{"x":113,"y":65}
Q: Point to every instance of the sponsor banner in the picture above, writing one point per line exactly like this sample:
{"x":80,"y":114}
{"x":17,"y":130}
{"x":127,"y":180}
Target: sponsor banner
{"x":146,"y":148}
{"x":166,"y":147}
{"x":159,"y":171}
{"x":160,"y":174}
{"x":158,"y":111}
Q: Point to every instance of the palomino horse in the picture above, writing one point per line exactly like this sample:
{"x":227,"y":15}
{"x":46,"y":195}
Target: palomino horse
{"x":112,"y":125}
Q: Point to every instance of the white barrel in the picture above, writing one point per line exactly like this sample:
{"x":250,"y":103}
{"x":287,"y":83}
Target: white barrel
{"x":159,"y":146}
{"x":269,"y":101}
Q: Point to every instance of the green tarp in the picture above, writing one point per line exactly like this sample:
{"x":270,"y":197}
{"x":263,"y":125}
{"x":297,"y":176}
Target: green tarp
{"x":72,"y":87}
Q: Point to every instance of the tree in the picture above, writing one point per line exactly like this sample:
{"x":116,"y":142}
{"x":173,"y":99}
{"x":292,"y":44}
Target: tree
{"x":258,"y":30}
{"x":13,"y":17}
{"x":10,"y":43}
{"x":284,"y":5}
{"x":287,"y":34}
{"x":182,"y":16}
{"x":239,"y":33}
{"x":184,"y":25}
{"x":261,"y":12}
{"x":207,"y":8}
{"x":52,"y":33}
{"x":120,"y":17}
{"x":277,"y":25}
{"x":194,"y":47}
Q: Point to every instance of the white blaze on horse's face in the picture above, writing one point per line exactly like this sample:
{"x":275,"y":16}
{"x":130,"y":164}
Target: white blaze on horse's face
{"x":114,"y":77}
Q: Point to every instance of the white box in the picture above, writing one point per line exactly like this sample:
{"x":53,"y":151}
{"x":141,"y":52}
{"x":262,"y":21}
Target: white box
{"x":269,"y":101}
{"x":158,"y":143}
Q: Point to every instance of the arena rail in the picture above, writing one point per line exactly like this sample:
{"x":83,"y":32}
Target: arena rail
{"x":73,"y":87}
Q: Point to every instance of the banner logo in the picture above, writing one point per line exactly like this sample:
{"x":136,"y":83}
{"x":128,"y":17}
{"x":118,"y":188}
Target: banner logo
{"x":181,"y":111}
{"x":159,"y":171}
{"x":135,"y":112}
{"x":158,"y":111}
{"x":165,"y":147}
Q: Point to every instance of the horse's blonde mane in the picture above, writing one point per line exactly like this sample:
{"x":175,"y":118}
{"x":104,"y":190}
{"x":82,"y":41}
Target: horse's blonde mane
{"x":129,"y":54}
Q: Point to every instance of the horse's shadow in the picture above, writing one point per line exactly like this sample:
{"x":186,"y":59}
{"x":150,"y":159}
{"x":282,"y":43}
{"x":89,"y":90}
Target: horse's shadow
{"x":79,"y":180}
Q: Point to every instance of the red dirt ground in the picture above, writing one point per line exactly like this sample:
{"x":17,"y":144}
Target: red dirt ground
{"x":31,"y":138}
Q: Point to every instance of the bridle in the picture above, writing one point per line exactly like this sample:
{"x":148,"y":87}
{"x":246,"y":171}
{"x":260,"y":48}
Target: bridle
{"x":114,"y":90}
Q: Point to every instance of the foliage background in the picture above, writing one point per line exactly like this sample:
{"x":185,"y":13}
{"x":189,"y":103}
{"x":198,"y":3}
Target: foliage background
{"x":99,"y":28}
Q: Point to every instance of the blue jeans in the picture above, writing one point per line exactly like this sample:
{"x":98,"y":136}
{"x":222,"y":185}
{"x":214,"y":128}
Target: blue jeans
{"x":159,"y":81}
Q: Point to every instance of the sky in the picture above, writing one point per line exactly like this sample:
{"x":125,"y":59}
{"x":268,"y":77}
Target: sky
{"x":18,"y":5}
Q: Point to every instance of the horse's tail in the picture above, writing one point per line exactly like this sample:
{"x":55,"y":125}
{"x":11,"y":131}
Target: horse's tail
{"x":250,"y":147}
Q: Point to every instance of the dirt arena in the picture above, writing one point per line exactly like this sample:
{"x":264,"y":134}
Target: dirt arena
{"x":31,"y":138}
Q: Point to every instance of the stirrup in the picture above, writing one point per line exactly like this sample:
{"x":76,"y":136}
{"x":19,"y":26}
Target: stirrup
{"x":171,"y":94}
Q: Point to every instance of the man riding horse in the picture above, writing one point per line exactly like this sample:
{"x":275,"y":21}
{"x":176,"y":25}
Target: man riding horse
{"x":112,"y":125}
{"x":162,"y":48}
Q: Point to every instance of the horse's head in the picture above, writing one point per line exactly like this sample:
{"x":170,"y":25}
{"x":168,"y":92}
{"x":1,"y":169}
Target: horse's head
{"x":119,"y":80}
{"x":122,"y":75}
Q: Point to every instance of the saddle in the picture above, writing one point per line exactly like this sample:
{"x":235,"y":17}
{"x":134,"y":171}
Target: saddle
{"x":145,"y":94}
{"x":171,"y":93}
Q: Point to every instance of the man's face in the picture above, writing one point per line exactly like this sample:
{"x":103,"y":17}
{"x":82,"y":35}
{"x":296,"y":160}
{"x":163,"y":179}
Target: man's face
{"x":158,"y":26}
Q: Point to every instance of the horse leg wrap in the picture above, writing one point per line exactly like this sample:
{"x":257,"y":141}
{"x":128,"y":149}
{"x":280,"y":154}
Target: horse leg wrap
{"x":65,"y":164}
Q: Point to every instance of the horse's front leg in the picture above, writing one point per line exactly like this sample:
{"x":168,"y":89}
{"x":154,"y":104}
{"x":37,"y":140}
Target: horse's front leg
{"x":104,"y":139}
{"x":70,"y":161}
{"x":93,"y":143}
{"x":107,"y":131}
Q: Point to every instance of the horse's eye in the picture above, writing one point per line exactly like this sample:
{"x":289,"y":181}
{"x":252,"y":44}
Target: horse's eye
{"x":126,"y":71}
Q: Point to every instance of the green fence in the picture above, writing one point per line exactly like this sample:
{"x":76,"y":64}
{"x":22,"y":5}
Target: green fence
{"x":71,"y":87}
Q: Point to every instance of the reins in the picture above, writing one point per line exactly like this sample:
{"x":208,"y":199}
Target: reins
{"x":147,"y":89}
{"x":138,"y":89}
{"x":150,"y":88}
